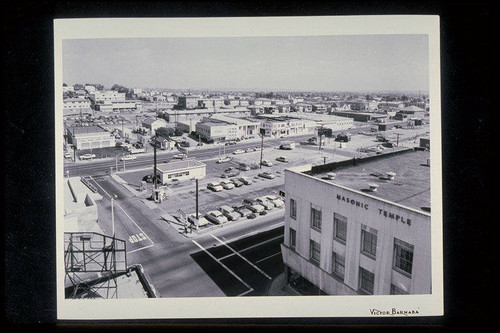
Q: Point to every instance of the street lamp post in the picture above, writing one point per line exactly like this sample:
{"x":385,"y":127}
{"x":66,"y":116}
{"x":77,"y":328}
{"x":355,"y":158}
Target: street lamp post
{"x":262,"y":132}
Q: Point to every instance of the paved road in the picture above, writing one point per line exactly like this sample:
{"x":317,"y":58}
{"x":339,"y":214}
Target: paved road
{"x":234,"y":260}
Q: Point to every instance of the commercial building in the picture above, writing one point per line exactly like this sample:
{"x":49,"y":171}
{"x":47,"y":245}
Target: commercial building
{"x":335,"y":123}
{"x":76,"y":104}
{"x":223,"y":128}
{"x":107,"y":96}
{"x":90,"y":137}
{"x":365,"y":229}
{"x":283,"y":126}
{"x":180,"y":170}
{"x":185,"y":115}
{"x":188,"y":102}
{"x":360,"y":116}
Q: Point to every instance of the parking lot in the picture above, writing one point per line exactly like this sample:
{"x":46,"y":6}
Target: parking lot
{"x":182,"y":194}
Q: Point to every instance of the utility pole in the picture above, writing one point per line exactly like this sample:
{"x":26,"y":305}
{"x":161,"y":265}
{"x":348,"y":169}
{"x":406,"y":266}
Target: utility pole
{"x":154,"y":166}
{"x":196,"y":198}
{"x":261,"y":146}
{"x":397,"y":139}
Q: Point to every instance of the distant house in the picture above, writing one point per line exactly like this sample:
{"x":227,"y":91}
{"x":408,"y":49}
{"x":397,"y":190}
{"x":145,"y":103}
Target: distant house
{"x":76,"y":104}
{"x":152,"y":124}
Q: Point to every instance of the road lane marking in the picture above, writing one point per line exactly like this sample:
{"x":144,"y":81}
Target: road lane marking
{"x":142,"y":248}
{"x":220,"y":263}
{"x":124,"y":211}
{"x":239,"y":255}
{"x":272,"y":255}
{"x":134,"y":223}
{"x":251,"y":247}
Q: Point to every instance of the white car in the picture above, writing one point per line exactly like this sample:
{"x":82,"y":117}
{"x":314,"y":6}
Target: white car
{"x":229,"y":212}
{"x":267,"y":163}
{"x":227,"y":184}
{"x":245,"y":180}
{"x":282,"y":159}
{"x":214,"y":186}
{"x":128,"y":157}
{"x":216,"y":217}
{"x":223,"y":159}
{"x":180,"y":156}
{"x":238,"y":151}
{"x":201,"y":221}
{"x":255,"y":208}
{"x":276,"y":201}
{"x":264,"y":202}
{"x":249,"y":150}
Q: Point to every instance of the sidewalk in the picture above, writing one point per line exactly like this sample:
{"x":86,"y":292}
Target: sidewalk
{"x":277,"y":287}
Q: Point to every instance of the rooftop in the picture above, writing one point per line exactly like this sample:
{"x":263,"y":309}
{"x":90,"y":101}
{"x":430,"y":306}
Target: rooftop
{"x":86,"y":129}
{"x":410,"y":186}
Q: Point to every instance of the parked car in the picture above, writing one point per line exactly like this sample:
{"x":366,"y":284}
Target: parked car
{"x":244,"y":167}
{"x":249,"y":150}
{"x":180,"y":156}
{"x":267,"y":163}
{"x":245,"y":180}
{"x":223,"y":159}
{"x":264,"y":202}
{"x":216,"y":217}
{"x":256,"y":208}
{"x":267,"y":175}
{"x":68,"y":155}
{"x":214,"y":186}
{"x":242,"y":210}
{"x":238,"y":151}
{"x":227,"y":184}
{"x":229,"y":212}
{"x":236,"y":182}
{"x":201,"y":221}
{"x":251,"y":216}
{"x":276,"y":201}
{"x":230,"y":143}
{"x":282,"y":159}
{"x":128,"y":157}
{"x":343,"y":137}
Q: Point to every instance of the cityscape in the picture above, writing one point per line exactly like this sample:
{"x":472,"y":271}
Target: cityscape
{"x":222,"y":188}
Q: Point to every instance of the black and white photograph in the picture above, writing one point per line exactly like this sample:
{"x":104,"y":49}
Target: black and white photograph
{"x":248,"y":167}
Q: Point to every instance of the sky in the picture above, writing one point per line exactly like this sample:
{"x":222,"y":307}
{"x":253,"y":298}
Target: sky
{"x":310,"y":63}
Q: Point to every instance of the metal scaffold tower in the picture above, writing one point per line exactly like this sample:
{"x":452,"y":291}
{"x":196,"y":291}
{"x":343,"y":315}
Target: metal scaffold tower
{"x":92,"y":262}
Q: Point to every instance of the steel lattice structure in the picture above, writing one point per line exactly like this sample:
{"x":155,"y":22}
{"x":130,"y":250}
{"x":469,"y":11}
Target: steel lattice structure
{"x":92,"y":262}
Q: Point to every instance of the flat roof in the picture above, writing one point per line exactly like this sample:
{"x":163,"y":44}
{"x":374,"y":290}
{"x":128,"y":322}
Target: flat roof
{"x":410,"y":186}
{"x":86,"y":129}
{"x":179,"y":165}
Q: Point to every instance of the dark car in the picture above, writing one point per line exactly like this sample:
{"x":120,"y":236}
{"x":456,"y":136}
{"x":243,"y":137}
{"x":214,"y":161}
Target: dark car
{"x":251,"y":216}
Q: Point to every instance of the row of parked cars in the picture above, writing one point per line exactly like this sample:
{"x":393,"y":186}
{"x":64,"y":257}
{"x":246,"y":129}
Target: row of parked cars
{"x":249,"y":209}
{"x":228,"y":184}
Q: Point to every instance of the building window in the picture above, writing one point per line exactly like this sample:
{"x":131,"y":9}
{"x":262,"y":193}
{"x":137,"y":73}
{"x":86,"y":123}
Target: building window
{"x":340,"y":225}
{"x":315,"y":251}
{"x":403,"y":256}
{"x":293,"y":239}
{"x":293,"y":209}
{"x":338,"y":265}
{"x":369,"y":243}
{"x":398,"y":291}
{"x":316,"y":217}
{"x":366,"y":281}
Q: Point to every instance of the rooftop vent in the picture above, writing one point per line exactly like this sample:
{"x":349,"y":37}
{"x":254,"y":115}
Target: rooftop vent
{"x":373,"y":187}
{"x":390,"y":175}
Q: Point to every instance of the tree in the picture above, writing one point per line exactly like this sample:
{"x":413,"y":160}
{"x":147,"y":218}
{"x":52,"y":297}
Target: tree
{"x":165,"y":132}
{"x":78,"y":86}
{"x":404,"y":98}
{"x":65,"y":85}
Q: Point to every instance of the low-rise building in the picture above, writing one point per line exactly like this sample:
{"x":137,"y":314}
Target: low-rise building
{"x":365,"y":229}
{"x":188,"y":102}
{"x":180,"y":170}
{"x":87,"y":137}
{"x":76,"y":104}
{"x":185,"y":115}
{"x":152,"y":124}
{"x":283,"y":126}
